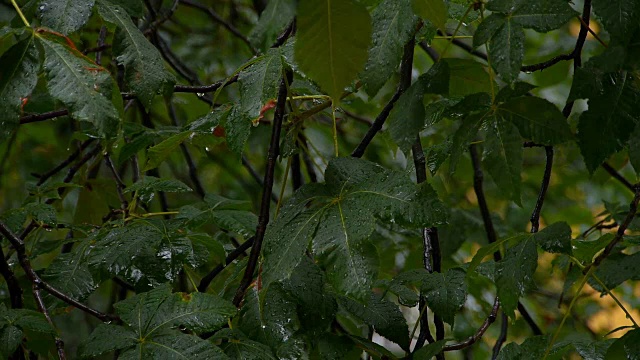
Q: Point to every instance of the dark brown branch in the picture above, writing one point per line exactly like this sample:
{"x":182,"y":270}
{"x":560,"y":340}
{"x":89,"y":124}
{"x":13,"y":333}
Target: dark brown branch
{"x":44,"y":116}
{"x":120,"y":186}
{"x":616,"y":175}
{"x":35,"y":279}
{"x":43,"y":309}
{"x":546,"y":64}
{"x":296,"y":172}
{"x":237,"y":252}
{"x":478,"y":180}
{"x":263,"y":217}
{"x":577,"y":50}
{"x":205,"y":88}
{"x":217,"y":18}
{"x":481,"y":330}
{"x":15,"y":291}
{"x":504,"y":328}
{"x":65,"y":163}
{"x":544,"y":186}
{"x":405,"y":68}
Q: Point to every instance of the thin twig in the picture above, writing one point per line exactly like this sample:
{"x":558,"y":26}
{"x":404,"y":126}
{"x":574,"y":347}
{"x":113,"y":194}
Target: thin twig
{"x":44,"y":116}
{"x":237,"y":252}
{"x":616,"y":175}
{"x":65,"y":163}
{"x":255,"y":176}
{"x":544,"y":186}
{"x":43,"y":309}
{"x":263,"y":218}
{"x":120,"y":186}
{"x":481,"y":330}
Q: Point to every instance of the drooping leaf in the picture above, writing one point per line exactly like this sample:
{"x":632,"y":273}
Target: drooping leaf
{"x":158,"y":153}
{"x":610,"y":120}
{"x":427,"y":352}
{"x":383,"y":315}
{"x":83,"y":86}
{"x":144,"y":68}
{"x":585,"y":250}
{"x":65,"y":16}
{"x":269,"y":317}
{"x":445,"y":293}
{"x":18,"y":78}
{"x":332,"y":42}
{"x":503,"y":157}
{"x":148,"y":185}
{"x":393,"y":26}
{"x":273,"y":19}
{"x":536,"y":119}
{"x":407,"y":117}
{"x":339,"y":216}
{"x":616,"y":269}
{"x":515,"y":272}
{"x":70,"y":273}
{"x":432,"y":10}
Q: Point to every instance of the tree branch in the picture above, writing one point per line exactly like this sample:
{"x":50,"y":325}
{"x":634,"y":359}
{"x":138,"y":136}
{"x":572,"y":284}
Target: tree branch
{"x":263,"y":218}
{"x":237,"y":252}
{"x":616,"y":175}
{"x":481,"y":330}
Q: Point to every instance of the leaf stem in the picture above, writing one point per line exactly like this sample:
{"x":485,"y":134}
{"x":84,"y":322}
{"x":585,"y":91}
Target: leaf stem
{"x":24,"y":19}
{"x":453,"y":36}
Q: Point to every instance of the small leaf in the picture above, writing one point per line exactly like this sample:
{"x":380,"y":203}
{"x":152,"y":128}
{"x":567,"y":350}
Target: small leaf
{"x":84,"y":87}
{"x":445,"y":293}
{"x":585,"y":250}
{"x":65,"y":16}
{"x":158,"y":153}
{"x":515,"y":272}
{"x":391,"y":31}
{"x":432,"y":10}
{"x":428,"y":351}
{"x":146,"y":186}
{"x":18,"y":78}
{"x":555,"y":238}
{"x":107,"y":338}
{"x":144,"y":68}
{"x":332,"y":42}
{"x":10,"y":339}
{"x":259,"y":83}
{"x":70,"y":273}
{"x":273,"y":19}
{"x":536,"y":119}
{"x":542,"y":16}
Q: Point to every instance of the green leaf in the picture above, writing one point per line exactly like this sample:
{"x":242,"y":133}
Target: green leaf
{"x":10,"y":339}
{"x":432,"y":10}
{"x":542,"y":16}
{"x":428,"y":351}
{"x":407,"y":117}
{"x":445,"y":293}
{"x":172,"y":344}
{"x":148,"y":185}
{"x":135,"y":8}
{"x":607,"y":125}
{"x":332,"y":42}
{"x":467,"y":77}
{"x":626,"y":347}
{"x":514,"y":90}
{"x":273,"y":20}
{"x":506,"y":50}
{"x":18,"y":78}
{"x":269,"y":317}
{"x":107,"y":338}
{"x":160,"y":309}
{"x":339,"y":216}
{"x":595,"y":350}
{"x":616,"y":269}
{"x":383,"y":315}
{"x":555,"y":238}
{"x":537,"y":119}
{"x":515,"y":272}
{"x":503,"y":157}
{"x":65,"y":16}
{"x":158,"y":153}
{"x":84,"y":87}
{"x":393,"y":26}
{"x":585,"y":250}
{"x":208,"y":123}
{"x":465,"y":134}
{"x":70,"y":273}
{"x":245,"y":349}
{"x":237,"y":130}
{"x":144,"y":68}
{"x":259,"y":83}
{"x":488,"y":28}
{"x":232,"y":215}
{"x":42,"y":213}
{"x":619,"y":17}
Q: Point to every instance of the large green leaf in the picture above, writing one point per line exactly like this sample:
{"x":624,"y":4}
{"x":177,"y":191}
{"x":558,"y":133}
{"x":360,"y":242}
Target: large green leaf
{"x":619,"y":17}
{"x":534,"y":348}
{"x":383,"y":315}
{"x":467,"y":77}
{"x":332,"y":41}
{"x":610,"y":120}
{"x":463,"y":137}
{"x":555,"y":238}
{"x":616,"y":269}
{"x":18,"y":78}
{"x":506,"y":50}
{"x":542,"y":15}
{"x":70,"y":273}
{"x":84,"y":87}
{"x":12,"y":324}
{"x":503,"y":157}
{"x":275,"y":17}
{"x":626,"y":347}
{"x":232,"y":215}
{"x":393,"y":26}
{"x":65,"y":16}
{"x":432,"y":10}
{"x":536,"y":119}
{"x":445,"y":293}
{"x":259,"y":83}
{"x":339,"y":216}
{"x":144,"y":68}
{"x":515,"y":272}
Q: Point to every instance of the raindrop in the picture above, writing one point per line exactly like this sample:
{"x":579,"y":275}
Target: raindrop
{"x":200,"y":94}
